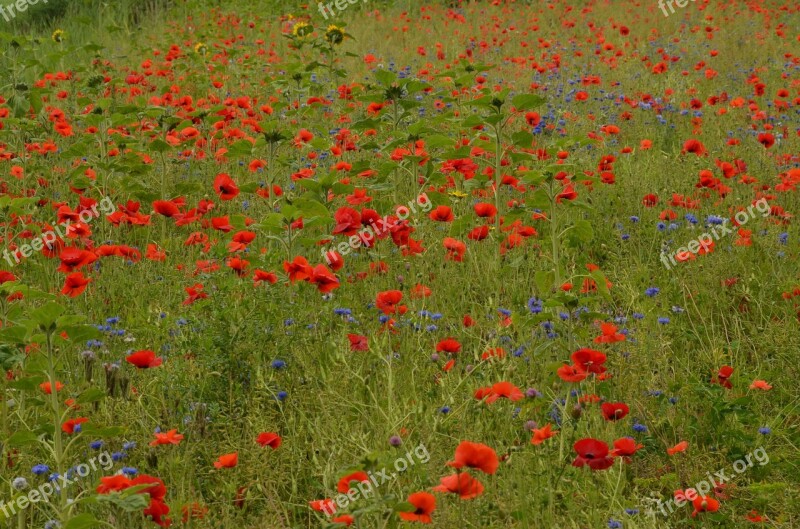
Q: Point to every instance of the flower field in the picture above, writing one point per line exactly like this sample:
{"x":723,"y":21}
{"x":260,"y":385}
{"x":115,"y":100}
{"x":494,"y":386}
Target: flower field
{"x":394,"y":264}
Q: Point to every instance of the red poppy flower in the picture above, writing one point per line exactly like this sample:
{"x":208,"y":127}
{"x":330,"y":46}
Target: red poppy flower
{"x":625,"y":447}
{"x":46,"y":387}
{"x":614,"y":411}
{"x":325,"y":280}
{"x":171,"y":437}
{"x":225,"y":187}
{"x":270,"y":439}
{"x":144,"y":359}
{"x":227,"y":460}
{"x":387,"y":301}
{"x":571,"y":373}
{"x":540,"y":435}
{"x":70,"y":425}
{"x":116,"y":483}
{"x":462,"y":484}
{"x":424,"y":503}
{"x":609,"y":334}
{"x":442,"y":214}
{"x":592,"y":452}
{"x":344,"y":484}
{"x":358,"y":342}
{"x":475,"y":455}
{"x":589,"y":360}
{"x":485,"y":210}
{"x":74,"y":284}
{"x":680,"y":447}
{"x":449,"y":345}
{"x":506,"y":390}
{"x":704,"y":504}
{"x":723,"y":377}
{"x":298,"y":269}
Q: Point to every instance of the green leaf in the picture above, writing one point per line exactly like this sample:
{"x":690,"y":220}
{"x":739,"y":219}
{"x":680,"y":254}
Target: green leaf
{"x":580,"y":233}
{"x":82,"y":521}
{"x":159,"y":145}
{"x":46,"y":315}
{"x":22,"y":438}
{"x":91,"y":395}
{"x":385,"y":77}
{"x":527,"y":101}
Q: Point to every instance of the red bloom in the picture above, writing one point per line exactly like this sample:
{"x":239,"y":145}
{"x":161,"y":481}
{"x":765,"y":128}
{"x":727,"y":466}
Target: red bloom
{"x":344,"y":484}
{"x":723,"y":377}
{"x":358,"y":342}
{"x":270,"y":439}
{"x":506,"y":390}
{"x":462,"y":484}
{"x":144,"y":359}
{"x":298,"y":269}
{"x":225,"y":187}
{"x":625,"y":447}
{"x":442,"y":214}
{"x":610,"y":334}
{"x":572,"y":373}
{"x":593,"y":453}
{"x":325,"y":280}
{"x":70,"y":425}
{"x":589,"y":360}
{"x":704,"y":504}
{"x":424,"y":503}
{"x":387,"y":301}
{"x":75,"y":284}
{"x":614,"y":411}
{"x":227,"y":460}
{"x":475,"y":455}
{"x":172,"y":437}
{"x":449,"y":345}
{"x":540,"y":435}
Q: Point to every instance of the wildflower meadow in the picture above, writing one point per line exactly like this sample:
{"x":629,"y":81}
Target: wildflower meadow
{"x":399,"y":263}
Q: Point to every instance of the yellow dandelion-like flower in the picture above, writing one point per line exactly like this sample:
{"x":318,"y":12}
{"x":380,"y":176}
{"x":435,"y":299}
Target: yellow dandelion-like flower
{"x":58,"y":35}
{"x":458,"y":194}
{"x":200,"y":48}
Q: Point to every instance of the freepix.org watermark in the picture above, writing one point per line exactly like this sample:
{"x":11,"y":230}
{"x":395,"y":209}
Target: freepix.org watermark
{"x":43,"y":492}
{"x":362,"y":489}
{"x":704,"y":241}
{"x":7,"y":11}
{"x":341,"y":5}
{"x":720,"y":477}
{"x":49,"y":238}
{"x":377,"y":228}
{"x":679,"y":3}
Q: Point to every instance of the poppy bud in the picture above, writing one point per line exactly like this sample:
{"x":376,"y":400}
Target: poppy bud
{"x":576,"y":411}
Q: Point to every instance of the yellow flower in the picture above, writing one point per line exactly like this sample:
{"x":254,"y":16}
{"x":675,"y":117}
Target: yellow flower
{"x":335,"y":35}
{"x":301,"y":30}
{"x":200,"y":48}
{"x":58,"y":35}
{"x":458,"y":194}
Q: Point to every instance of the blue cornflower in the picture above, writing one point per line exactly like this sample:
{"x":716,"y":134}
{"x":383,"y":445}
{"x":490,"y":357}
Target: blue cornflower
{"x":282,"y":396}
{"x":129,"y":471}
{"x":535,"y":305}
{"x":40,"y":469}
{"x":652,"y":292}
{"x":638,"y":427}
{"x":278,"y":364}
{"x":614,"y":524}
{"x":663,"y":320}
{"x":764,"y":430}
{"x":96,"y":445}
